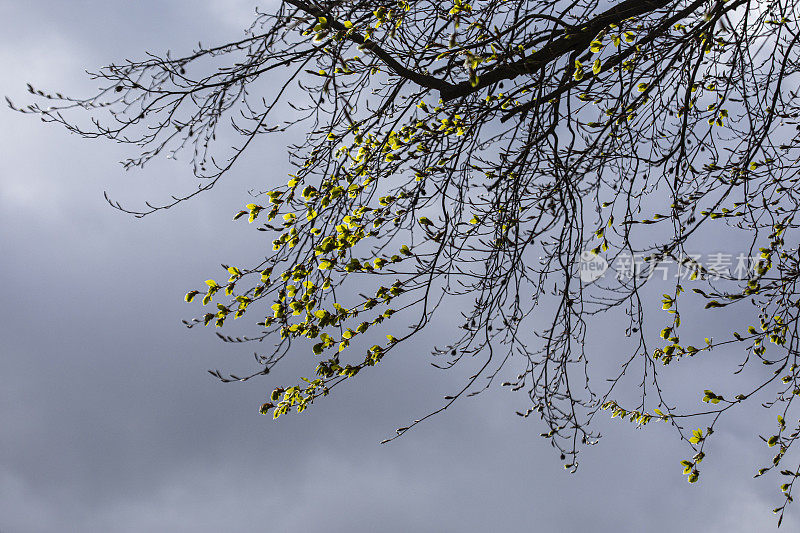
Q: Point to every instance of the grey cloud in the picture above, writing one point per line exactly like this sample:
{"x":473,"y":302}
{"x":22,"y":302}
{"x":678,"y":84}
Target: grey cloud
{"x":109,"y":421}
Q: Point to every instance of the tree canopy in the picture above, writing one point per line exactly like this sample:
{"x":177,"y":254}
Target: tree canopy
{"x":477,"y":156}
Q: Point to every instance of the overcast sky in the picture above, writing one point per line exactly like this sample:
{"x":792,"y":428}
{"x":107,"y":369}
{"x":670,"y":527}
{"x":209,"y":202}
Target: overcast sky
{"x":109,"y":421}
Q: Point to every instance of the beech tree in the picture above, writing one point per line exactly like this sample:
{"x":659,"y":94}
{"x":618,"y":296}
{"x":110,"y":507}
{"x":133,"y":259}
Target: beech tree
{"x":475,"y":157}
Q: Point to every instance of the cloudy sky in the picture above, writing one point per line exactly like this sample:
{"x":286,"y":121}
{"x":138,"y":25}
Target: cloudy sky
{"x":109,"y":421}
